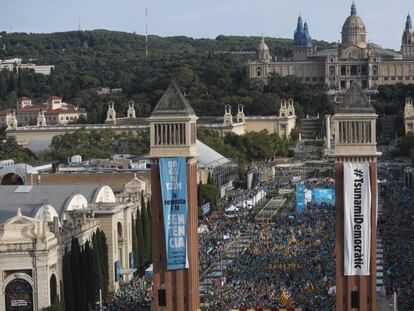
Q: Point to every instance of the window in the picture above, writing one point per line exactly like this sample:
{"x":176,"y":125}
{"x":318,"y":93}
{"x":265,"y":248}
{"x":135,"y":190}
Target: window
{"x":400,"y":78}
{"x":343,"y":70}
{"x":354,"y":70}
{"x":386,"y":78}
{"x":393,"y":78}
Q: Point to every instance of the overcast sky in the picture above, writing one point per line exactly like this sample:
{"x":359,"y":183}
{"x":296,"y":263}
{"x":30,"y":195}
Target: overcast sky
{"x":384,"y":19}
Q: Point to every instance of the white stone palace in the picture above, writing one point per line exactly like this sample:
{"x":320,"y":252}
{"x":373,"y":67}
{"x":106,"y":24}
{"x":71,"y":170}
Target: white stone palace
{"x":354,"y":59}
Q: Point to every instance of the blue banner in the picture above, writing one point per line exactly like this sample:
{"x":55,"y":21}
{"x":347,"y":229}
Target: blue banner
{"x":117,"y":271}
{"x":206,"y":208}
{"x":131,"y":260}
{"x":300,"y":197}
{"x":173,"y":178}
{"x":323,"y":196}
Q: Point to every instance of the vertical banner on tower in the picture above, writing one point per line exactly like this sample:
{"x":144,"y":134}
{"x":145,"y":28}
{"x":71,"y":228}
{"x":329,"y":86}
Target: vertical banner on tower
{"x":173,"y":177}
{"x":357,"y":219}
{"x":300,"y":197}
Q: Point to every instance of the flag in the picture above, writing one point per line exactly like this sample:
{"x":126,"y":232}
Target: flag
{"x":310,"y":287}
{"x":285,"y":298}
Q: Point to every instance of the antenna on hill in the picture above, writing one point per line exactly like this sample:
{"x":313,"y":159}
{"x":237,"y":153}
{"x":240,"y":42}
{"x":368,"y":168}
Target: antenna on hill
{"x":79,"y":25}
{"x":146,"y":32}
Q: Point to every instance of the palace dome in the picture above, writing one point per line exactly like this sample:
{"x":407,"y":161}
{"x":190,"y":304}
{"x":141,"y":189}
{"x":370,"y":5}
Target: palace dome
{"x":353,"y":30}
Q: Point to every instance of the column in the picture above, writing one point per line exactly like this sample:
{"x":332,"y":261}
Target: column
{"x":328,"y":131}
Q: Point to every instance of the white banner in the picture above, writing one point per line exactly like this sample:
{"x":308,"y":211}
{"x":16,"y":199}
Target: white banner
{"x":357,"y":219}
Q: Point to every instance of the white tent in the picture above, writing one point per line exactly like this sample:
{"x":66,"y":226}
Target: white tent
{"x":232,"y":208}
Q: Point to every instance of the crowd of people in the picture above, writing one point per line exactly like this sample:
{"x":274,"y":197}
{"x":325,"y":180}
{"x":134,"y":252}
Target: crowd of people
{"x":132,"y":296}
{"x":396,"y":229}
{"x":291,"y":257}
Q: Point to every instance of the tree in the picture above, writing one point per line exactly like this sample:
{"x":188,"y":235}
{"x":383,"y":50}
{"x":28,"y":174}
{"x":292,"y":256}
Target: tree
{"x":149,"y":230}
{"x":68,"y":282}
{"x":140,"y":241}
{"x":77,"y":277}
{"x":146,"y":229}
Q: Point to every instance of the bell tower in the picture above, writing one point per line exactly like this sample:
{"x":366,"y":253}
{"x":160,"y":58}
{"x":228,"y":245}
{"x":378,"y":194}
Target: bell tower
{"x":356,"y":202}
{"x":173,"y":134}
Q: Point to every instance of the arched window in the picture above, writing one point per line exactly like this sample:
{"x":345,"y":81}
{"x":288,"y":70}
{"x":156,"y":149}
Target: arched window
{"x":53,"y":289}
{"x":12,"y":179}
{"x":119,"y":232}
{"x":19,"y":292}
{"x":331,"y":70}
{"x":375,"y":70}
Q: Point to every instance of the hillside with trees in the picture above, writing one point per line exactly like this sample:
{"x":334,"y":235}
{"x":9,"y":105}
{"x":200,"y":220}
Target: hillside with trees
{"x":205,"y":69}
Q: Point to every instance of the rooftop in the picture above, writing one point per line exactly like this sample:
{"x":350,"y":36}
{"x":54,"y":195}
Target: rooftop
{"x":173,"y":103}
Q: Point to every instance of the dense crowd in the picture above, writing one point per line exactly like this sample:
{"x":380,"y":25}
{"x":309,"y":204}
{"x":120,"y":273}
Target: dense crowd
{"x":396,"y":229}
{"x":294,"y":256}
{"x":132,"y":296}
{"x":291,"y":257}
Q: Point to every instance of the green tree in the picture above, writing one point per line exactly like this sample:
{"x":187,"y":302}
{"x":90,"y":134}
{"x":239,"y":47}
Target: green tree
{"x":140,"y":241}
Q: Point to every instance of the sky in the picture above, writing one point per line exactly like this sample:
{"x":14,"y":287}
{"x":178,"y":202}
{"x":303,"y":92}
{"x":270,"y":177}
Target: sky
{"x":384,"y":19}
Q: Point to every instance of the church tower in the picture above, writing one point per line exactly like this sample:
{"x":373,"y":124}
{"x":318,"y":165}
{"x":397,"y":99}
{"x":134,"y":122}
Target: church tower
{"x":302,"y":42}
{"x":356,"y":202}
{"x":407,"y":47}
{"x":173,"y":153}
{"x":111,"y":113}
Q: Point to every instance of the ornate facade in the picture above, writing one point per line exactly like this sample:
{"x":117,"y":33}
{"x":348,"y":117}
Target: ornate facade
{"x":352,"y":60}
{"x":409,"y":115}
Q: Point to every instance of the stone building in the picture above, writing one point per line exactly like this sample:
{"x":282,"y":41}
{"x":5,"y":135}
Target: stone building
{"x":53,"y":112}
{"x":16,"y":64}
{"x":354,"y":59}
{"x":409,"y":115}
{"x":37,"y":223}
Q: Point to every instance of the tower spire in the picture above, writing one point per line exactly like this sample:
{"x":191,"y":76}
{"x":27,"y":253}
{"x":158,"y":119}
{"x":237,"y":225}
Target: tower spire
{"x":408,"y":23}
{"x":353,"y":8}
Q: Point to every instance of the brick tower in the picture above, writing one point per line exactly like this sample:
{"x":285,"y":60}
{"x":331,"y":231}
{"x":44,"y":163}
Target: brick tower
{"x":172,"y":136}
{"x":356,"y":202}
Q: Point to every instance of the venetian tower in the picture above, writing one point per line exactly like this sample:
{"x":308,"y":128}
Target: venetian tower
{"x":173,"y":135}
{"x":356,"y":202}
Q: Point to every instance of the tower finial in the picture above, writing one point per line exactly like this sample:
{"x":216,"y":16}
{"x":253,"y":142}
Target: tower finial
{"x":353,"y":8}
{"x":408,"y":24}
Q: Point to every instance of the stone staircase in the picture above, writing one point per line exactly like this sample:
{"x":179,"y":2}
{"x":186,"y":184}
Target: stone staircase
{"x":312,"y":128}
